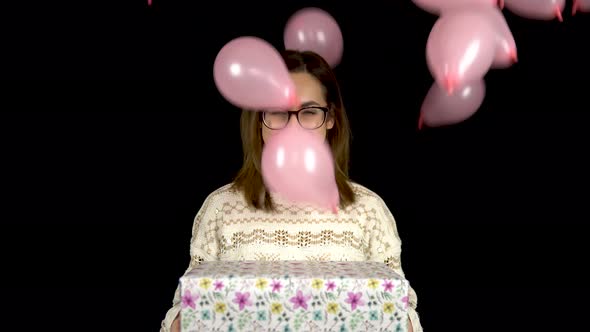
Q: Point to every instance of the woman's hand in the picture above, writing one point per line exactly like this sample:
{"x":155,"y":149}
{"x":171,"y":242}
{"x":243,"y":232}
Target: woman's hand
{"x":410,"y":328}
{"x":175,"y":324}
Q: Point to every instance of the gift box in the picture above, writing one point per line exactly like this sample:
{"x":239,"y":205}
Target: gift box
{"x":293,"y":296}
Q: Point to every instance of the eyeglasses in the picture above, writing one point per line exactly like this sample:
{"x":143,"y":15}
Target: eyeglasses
{"x":310,"y":117}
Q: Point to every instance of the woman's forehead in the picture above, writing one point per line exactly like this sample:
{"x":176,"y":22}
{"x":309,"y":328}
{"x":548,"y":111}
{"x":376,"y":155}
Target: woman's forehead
{"x":308,"y":88}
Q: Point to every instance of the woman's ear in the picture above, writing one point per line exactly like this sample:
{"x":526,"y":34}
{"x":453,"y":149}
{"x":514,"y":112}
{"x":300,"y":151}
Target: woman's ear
{"x":331,"y":117}
{"x":330,"y":123}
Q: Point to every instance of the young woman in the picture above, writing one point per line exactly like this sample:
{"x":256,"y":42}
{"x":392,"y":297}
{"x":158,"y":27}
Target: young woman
{"x":244,"y":221}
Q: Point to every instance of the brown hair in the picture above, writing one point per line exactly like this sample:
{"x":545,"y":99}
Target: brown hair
{"x":249,"y":178}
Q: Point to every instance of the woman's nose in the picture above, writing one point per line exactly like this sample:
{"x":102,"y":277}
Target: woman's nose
{"x":292,"y":120}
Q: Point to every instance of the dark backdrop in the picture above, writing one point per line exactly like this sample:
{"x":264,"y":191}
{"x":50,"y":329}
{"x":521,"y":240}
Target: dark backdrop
{"x":113,"y":134}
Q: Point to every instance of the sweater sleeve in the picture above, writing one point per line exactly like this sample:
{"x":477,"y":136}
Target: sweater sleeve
{"x":386,"y":246}
{"x":203,"y":247}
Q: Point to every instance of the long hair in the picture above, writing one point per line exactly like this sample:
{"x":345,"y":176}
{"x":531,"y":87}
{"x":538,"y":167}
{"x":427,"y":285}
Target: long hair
{"x":249,"y":179}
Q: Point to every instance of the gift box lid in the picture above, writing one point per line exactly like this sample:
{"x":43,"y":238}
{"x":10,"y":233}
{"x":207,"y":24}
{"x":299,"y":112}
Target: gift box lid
{"x":293,"y":269}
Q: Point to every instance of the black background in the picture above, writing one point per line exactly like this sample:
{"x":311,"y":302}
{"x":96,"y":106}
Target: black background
{"x":113,"y":133}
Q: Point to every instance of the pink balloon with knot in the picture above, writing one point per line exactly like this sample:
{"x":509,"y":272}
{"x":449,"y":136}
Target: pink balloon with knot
{"x":537,"y":9}
{"x":314,"y":29}
{"x":580,"y":5}
{"x":298,"y":165}
{"x":506,"y":53}
{"x":461,"y":48}
{"x":251,"y":74}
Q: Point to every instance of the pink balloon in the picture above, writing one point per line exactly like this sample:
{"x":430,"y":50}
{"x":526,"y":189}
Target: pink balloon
{"x":313,"y":29}
{"x":537,"y":9}
{"x":298,"y":165}
{"x":461,"y":48}
{"x":436,"y":7}
{"x":580,"y":5}
{"x":251,"y":74}
{"x":506,"y":53}
{"x":440,"y":109}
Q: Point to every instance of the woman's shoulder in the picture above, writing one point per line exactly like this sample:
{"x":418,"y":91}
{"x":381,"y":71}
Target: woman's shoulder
{"x":365,"y":195}
{"x":369,"y":199}
{"x":225,"y":193}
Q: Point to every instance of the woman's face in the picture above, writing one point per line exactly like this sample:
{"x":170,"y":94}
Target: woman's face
{"x":310,"y":93}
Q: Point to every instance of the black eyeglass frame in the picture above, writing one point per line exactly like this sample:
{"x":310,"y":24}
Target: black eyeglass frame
{"x":323,"y":108}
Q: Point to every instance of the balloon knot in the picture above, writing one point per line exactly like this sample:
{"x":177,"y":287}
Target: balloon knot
{"x":450,"y":85}
{"x":293,"y":100}
{"x":513,"y":56}
{"x":420,"y":122}
{"x":558,"y":14}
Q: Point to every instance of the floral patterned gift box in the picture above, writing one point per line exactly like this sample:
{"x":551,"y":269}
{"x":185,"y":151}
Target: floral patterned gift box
{"x":287,"y":296}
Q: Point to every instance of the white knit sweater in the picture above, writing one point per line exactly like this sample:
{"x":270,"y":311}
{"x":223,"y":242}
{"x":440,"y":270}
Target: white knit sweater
{"x":226,"y":228}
